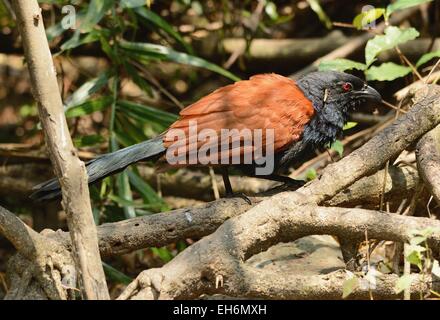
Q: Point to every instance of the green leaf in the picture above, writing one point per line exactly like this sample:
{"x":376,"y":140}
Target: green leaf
{"x":427,"y":57}
{"x":417,"y":240}
{"x":415,"y":258}
{"x":89,"y":107}
{"x":89,"y":140}
{"x":426,"y":232}
{"x":116,"y":275}
{"x":146,"y":191}
{"x":271,"y":10}
{"x":349,"y":125}
{"x":338,"y":147}
{"x":316,"y":7}
{"x":86,"y":90}
{"x":156,"y":51}
{"x":393,"y":36}
{"x":341,"y":65}
{"x":367,"y":17}
{"x":57,"y":29}
{"x":128,"y":131}
{"x":349,"y":285}
{"x":54,"y":31}
{"x":387,"y":72}
{"x":157,"y":20}
{"x":123,"y":203}
{"x":403,"y":4}
{"x":124,"y":192}
{"x":137,"y":79}
{"x":132,"y":3}
{"x":95,"y":12}
{"x":414,"y":255}
{"x":145,"y":113}
{"x":404,"y":282}
{"x":311,"y":174}
{"x":110,"y":50}
{"x":77,"y":39}
{"x":163,"y":253}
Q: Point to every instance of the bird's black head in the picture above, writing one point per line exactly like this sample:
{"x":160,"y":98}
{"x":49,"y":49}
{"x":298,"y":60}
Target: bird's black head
{"x":334,"y":95}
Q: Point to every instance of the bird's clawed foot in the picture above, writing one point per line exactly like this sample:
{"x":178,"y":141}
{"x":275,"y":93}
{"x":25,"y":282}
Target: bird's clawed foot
{"x":239,"y":195}
{"x":293,"y":184}
{"x":290,"y":185}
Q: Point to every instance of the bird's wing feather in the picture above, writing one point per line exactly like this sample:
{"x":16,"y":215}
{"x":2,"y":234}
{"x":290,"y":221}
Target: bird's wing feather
{"x":263,"y":102}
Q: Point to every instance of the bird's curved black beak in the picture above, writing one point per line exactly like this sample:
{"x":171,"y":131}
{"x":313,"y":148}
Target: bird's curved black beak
{"x":369,"y":93}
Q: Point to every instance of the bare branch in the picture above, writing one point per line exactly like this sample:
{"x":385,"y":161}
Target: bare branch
{"x":42,"y":259}
{"x":428,"y":161}
{"x":194,"y":271}
{"x":69,"y":169}
{"x":167,"y":227}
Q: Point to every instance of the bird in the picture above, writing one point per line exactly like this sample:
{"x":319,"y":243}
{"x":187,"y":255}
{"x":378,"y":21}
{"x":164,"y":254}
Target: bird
{"x":288,"y":116}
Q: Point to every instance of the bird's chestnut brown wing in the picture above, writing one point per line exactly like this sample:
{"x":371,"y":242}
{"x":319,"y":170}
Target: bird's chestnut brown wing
{"x":263,"y":102}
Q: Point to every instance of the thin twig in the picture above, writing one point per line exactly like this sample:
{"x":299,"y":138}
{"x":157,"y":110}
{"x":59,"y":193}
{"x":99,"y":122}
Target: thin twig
{"x":413,"y":68}
{"x":393,"y":106}
{"x":214,"y":184}
{"x":432,"y":71}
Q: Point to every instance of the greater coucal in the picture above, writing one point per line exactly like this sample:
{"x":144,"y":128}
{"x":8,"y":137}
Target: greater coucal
{"x":307,"y":113}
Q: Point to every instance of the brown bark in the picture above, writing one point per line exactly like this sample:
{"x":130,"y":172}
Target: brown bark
{"x":42,"y":264}
{"x":68,"y":168}
{"x":223,"y":253}
{"x":428,"y":161}
{"x":164,"y":228}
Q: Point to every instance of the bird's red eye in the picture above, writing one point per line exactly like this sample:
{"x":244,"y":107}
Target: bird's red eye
{"x":347,"y":86}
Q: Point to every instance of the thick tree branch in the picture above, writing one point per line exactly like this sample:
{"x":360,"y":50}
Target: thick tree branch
{"x":69,"y":169}
{"x":267,"y":284}
{"x":23,"y":238}
{"x":428,"y":161}
{"x":223,"y":253}
{"x":167,"y":227}
{"x":45,"y":260}
{"x":285,"y":49}
{"x":400,"y":184}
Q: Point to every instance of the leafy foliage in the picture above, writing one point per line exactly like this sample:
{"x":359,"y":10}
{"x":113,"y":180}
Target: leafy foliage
{"x":367,"y":17}
{"x":428,"y":57}
{"x":316,"y":7}
{"x":341,"y":65}
{"x":403,"y":4}
{"x":387,"y":72}
{"x":392,"y":38}
{"x":350,"y":284}
{"x":418,"y":253}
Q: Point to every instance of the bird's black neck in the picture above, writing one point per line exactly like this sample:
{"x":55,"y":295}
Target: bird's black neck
{"x":330,"y":117}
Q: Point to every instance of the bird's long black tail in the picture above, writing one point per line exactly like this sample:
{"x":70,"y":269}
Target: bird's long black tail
{"x":105,"y":165}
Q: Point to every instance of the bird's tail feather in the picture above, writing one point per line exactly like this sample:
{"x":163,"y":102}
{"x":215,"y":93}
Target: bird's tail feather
{"x":105,"y":165}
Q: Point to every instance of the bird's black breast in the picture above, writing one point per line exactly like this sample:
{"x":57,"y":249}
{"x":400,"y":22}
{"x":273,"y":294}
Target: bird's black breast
{"x":324,"y":129}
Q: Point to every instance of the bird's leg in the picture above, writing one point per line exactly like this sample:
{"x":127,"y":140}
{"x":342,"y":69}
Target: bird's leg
{"x":226,"y":181}
{"x":228,"y":187}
